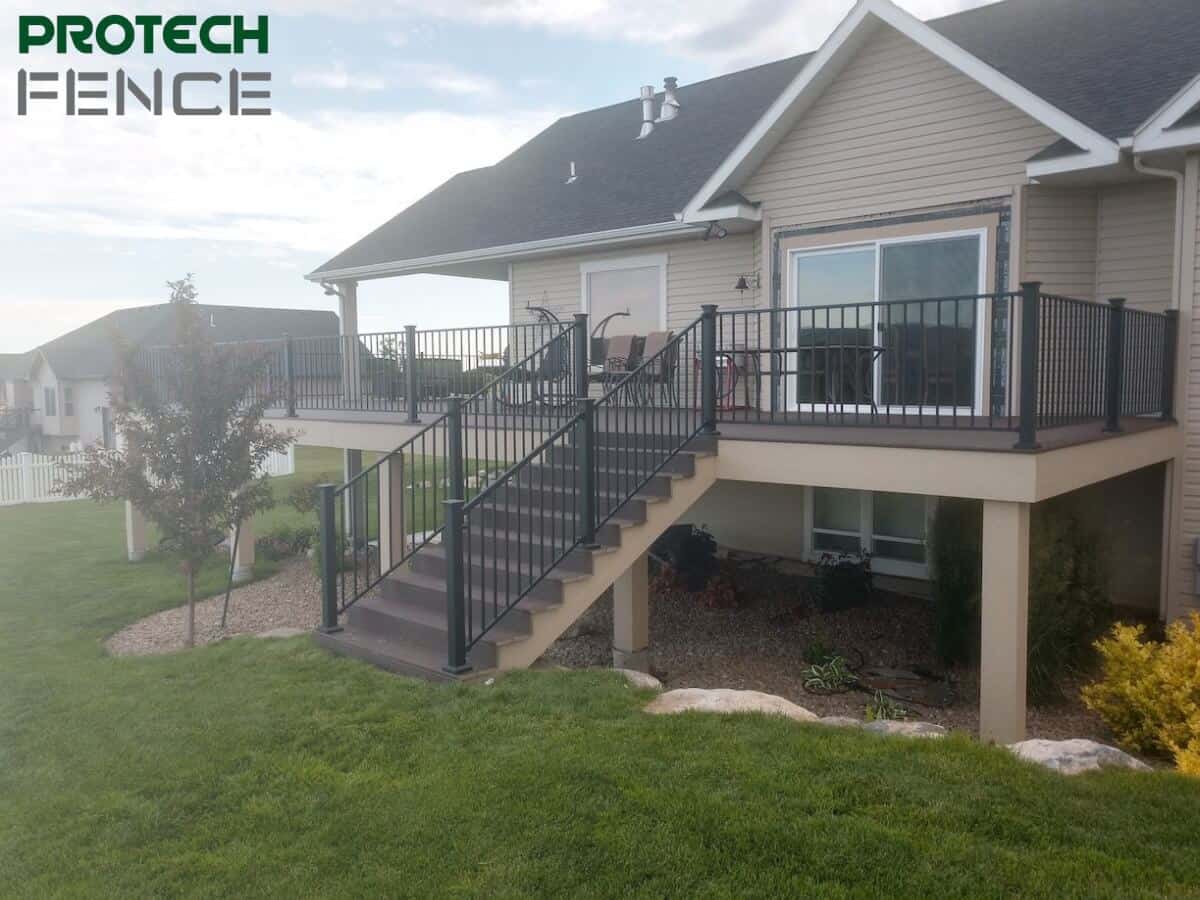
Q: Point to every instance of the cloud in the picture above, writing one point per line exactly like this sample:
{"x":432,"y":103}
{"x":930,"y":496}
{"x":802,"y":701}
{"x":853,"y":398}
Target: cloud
{"x":449,"y":80}
{"x":336,"y":78}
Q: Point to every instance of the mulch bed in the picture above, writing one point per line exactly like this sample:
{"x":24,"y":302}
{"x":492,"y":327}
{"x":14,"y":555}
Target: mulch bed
{"x":761,"y":645}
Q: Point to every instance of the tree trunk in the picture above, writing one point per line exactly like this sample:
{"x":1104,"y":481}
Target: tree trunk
{"x":189,"y":630}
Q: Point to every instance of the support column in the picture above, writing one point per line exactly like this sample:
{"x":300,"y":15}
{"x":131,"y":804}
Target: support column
{"x":348,"y":329}
{"x":135,"y":533}
{"x":354,"y":515}
{"x":392,"y":535}
{"x":631,"y":617}
{"x":1004,"y":636}
{"x":243,"y":552}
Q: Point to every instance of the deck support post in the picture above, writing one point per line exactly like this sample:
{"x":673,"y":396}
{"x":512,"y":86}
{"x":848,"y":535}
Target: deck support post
{"x":355,"y":514}
{"x":328,"y":548}
{"x":1005,"y":627}
{"x":392,"y":536}
{"x":347,"y":294}
{"x":1114,"y":375}
{"x":631,"y":617}
{"x":1031,"y":293}
{"x":135,"y":533}
{"x":242,"y":550}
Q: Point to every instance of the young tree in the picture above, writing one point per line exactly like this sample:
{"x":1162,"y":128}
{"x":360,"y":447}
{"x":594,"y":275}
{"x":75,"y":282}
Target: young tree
{"x":194,"y":443}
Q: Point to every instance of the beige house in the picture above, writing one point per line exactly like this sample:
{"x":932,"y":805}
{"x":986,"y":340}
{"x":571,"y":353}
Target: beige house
{"x":911,"y":237}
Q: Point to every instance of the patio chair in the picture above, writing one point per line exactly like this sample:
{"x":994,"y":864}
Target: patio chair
{"x":659,"y":376}
{"x":620,"y":358}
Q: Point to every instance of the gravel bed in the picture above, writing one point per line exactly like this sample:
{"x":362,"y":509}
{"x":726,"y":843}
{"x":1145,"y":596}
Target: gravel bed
{"x":761,"y":647}
{"x":289,"y":599}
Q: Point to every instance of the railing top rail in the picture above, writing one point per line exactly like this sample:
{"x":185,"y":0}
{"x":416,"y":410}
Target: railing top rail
{"x":868,"y":304}
{"x":564,"y":326}
{"x":672,"y":344}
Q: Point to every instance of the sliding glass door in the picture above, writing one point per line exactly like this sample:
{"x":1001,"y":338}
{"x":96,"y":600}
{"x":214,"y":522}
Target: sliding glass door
{"x":893,"y":323}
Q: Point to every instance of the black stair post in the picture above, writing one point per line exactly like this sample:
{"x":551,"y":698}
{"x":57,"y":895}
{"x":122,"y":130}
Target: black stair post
{"x":708,"y":368}
{"x":585,"y":450}
{"x":327,"y":500}
{"x":1114,"y":374}
{"x":1031,"y":293}
{"x":289,"y":373}
{"x":581,"y":354}
{"x":1170,"y":349}
{"x":456,"y":607}
{"x":410,"y":371}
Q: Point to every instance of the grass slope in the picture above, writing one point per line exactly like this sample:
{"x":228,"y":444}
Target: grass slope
{"x":255,"y":768}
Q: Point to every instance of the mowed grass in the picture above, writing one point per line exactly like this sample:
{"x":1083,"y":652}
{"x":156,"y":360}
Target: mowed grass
{"x":269,"y":768}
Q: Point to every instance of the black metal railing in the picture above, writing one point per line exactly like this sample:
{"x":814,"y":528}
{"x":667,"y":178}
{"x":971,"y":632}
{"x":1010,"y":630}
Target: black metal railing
{"x":381,"y":516}
{"x":504,"y":542}
{"x":1009,"y":361}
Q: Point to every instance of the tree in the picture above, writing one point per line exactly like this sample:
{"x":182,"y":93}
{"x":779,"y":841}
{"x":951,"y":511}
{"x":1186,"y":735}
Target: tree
{"x":194,"y":443}
{"x":183,"y":291}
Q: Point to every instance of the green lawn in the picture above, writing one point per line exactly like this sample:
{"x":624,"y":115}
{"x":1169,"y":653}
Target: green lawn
{"x":270,"y":768}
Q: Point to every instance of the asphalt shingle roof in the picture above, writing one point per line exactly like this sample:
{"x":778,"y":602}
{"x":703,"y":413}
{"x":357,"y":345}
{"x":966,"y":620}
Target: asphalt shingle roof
{"x":88,"y":352}
{"x":1108,"y":63}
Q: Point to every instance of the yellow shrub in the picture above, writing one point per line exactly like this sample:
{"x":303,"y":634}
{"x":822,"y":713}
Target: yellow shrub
{"x":1149,"y":694}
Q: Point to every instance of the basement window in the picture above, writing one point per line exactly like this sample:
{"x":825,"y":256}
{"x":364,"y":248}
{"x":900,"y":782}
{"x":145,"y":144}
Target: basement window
{"x":891,"y":527}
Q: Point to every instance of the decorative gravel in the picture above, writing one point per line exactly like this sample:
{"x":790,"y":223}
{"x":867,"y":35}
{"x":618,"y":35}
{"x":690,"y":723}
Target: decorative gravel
{"x":761,"y":647}
{"x":289,"y":599}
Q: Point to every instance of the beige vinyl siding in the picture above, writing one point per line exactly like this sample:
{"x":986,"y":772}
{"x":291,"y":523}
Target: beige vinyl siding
{"x":1135,"y":259}
{"x":1058,"y":240}
{"x":1186,"y":599}
{"x":899,"y":129}
{"x":698,"y":272}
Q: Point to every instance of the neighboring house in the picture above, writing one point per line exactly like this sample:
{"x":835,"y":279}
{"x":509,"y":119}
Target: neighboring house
{"x":64,"y":384}
{"x":826,"y":204}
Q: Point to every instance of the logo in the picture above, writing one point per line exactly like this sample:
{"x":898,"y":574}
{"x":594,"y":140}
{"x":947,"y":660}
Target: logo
{"x":103,"y":92}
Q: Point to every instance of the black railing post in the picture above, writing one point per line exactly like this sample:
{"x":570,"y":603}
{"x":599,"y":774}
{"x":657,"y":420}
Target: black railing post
{"x":585,"y":455}
{"x":456,"y":606}
{"x":410,"y":371}
{"x":1031,"y":294}
{"x":1170,"y":349}
{"x":1114,"y":374}
{"x":327,"y":510}
{"x":708,"y":369}
{"x":581,"y":354}
{"x":289,"y":373}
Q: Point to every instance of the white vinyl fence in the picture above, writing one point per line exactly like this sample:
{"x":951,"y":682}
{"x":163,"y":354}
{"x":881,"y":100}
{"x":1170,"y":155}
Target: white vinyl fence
{"x":31,"y":477}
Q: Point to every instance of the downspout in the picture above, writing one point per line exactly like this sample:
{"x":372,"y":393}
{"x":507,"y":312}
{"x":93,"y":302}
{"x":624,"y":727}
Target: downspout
{"x":1177,"y":249}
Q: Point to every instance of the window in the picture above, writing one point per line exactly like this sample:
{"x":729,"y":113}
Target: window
{"x":50,"y":402}
{"x":891,"y":527}
{"x":922,"y":354}
{"x":68,"y":401}
{"x":635,"y":285}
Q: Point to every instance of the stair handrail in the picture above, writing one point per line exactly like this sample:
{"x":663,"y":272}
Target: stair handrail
{"x":468,"y":622}
{"x":350,"y":567}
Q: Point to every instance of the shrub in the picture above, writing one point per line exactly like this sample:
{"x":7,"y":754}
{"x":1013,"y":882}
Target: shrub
{"x":843,"y":581}
{"x":1149,"y":693}
{"x":302,"y":496}
{"x":691,"y":552}
{"x":286,"y":540}
{"x":881,"y":708}
{"x":1069,"y":605}
{"x":956,"y":539}
{"x":831,"y":677}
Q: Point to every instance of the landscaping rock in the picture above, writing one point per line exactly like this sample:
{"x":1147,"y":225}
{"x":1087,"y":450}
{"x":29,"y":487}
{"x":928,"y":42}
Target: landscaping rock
{"x":722,"y":700}
{"x":285,"y":631}
{"x":1075,"y":756}
{"x":643,"y":680}
{"x":906,"y":729}
{"x":841,"y":721}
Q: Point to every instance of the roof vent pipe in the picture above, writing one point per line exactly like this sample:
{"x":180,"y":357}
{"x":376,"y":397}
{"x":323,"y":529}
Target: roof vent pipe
{"x":647,"y":111}
{"x":670,"y":104}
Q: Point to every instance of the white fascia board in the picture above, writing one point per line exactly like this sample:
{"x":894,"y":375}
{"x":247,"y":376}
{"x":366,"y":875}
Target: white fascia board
{"x":1076,"y":162}
{"x":744,"y":211}
{"x":835,"y":52}
{"x":1153,"y":134}
{"x":596,"y":239}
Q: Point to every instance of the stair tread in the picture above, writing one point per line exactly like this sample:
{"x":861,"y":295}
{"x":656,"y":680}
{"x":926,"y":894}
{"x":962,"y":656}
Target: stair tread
{"x":510,"y":535}
{"x":432,"y":583}
{"x":507,"y":564}
{"x":396,"y":654}
{"x":503,"y":632}
{"x":525,"y":509}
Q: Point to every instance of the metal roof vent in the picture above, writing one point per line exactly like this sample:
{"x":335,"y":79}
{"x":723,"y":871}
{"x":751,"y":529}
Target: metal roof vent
{"x":670,"y":104}
{"x":572,"y":178}
{"x":647,"y":111}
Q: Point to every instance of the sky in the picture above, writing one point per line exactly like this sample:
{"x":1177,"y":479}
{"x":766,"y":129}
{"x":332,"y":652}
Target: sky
{"x":375,"y":103}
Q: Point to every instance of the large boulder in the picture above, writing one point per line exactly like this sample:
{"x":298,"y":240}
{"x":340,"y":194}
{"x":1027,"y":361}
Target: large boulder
{"x":906,"y":729}
{"x":643,"y":680}
{"x":723,"y":700}
{"x":841,"y":722}
{"x":1075,"y":756}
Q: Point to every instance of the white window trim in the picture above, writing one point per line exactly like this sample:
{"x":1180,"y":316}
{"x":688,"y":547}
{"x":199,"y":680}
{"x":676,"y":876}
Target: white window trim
{"x":626,"y":262}
{"x":982,"y":320}
{"x":879,"y":565}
